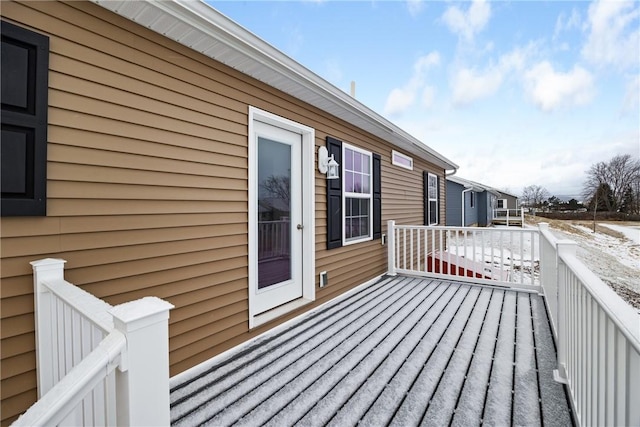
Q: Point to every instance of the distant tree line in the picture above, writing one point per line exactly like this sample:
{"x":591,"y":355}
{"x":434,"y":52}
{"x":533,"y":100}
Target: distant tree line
{"x":612,"y":187}
{"x":538,"y":198}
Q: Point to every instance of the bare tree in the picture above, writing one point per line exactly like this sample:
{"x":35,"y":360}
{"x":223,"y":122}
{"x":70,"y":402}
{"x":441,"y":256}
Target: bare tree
{"x":277,"y":186}
{"x":619,"y":174}
{"x":534,"y":196}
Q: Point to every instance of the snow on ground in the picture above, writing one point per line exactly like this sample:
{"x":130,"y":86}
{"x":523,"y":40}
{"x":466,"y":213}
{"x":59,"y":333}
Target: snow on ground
{"x":615,"y":259}
{"x":630,"y":232}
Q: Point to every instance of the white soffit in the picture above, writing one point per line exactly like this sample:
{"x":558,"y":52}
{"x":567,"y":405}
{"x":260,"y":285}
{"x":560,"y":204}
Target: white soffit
{"x":200,"y":27}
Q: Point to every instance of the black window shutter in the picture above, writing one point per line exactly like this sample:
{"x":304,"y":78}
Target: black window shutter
{"x":377,"y":197}
{"x":425,"y":193}
{"x":334,"y":198}
{"x":437,"y":200}
{"x":23,"y":144}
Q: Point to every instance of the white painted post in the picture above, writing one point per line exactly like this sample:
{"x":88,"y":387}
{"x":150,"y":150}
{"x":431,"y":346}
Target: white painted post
{"x":522,"y":217}
{"x":391,"y":248}
{"x":143,"y":383}
{"x":563,"y":247}
{"x":45,"y":270}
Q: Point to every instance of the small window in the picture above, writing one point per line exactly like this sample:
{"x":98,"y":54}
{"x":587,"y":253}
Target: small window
{"x":23,"y":144}
{"x":502,"y":203}
{"x":432,"y":198}
{"x":399,"y":159}
{"x":357,"y":195}
{"x":472,"y":199}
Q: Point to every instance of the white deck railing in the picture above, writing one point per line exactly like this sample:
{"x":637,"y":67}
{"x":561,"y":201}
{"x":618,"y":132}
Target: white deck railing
{"x":274,"y":239}
{"x":97,"y":364}
{"x":510,"y":216}
{"x":506,"y":256}
{"x":597,"y":334}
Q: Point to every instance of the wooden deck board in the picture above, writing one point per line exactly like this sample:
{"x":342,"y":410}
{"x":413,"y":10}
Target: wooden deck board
{"x":403,"y":351}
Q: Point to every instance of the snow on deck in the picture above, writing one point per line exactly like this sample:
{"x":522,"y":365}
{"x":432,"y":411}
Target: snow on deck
{"x":403,"y":351}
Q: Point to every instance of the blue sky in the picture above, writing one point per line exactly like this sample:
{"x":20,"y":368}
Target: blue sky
{"x":515,"y":92}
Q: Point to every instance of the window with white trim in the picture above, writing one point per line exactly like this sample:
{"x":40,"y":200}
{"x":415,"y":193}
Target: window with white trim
{"x":399,"y":159}
{"x":502,"y":203}
{"x":357,"y":197}
{"x":432,"y":202}
{"x":472,"y":201}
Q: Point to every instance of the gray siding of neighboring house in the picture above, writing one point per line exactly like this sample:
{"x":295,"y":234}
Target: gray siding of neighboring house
{"x":484,"y":209}
{"x":470,"y":213}
{"x":454,"y":206}
{"x":512,"y":201}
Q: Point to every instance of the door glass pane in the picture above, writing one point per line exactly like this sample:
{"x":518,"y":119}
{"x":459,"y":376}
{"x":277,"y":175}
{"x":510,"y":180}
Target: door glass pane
{"x":274,"y":211}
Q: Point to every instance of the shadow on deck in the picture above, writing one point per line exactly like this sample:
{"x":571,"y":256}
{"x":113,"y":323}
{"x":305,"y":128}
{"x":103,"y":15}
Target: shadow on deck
{"x":402,"y":351}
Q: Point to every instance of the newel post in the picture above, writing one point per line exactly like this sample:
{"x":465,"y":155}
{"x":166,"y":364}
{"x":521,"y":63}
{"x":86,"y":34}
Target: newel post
{"x":391,"y":248}
{"x":143,"y":380}
{"x":45,"y":270}
{"x":563,"y":247}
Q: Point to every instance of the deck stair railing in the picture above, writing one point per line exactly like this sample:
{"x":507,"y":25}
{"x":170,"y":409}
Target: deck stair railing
{"x":97,"y":364}
{"x":505,"y":256}
{"x":597,"y":334}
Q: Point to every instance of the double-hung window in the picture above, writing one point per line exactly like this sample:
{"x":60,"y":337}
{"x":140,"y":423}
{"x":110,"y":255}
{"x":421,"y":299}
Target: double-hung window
{"x":357,"y":196}
{"x":432,"y":198}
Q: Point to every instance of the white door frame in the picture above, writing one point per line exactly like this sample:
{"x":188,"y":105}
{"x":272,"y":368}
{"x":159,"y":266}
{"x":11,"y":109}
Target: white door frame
{"x":308,"y":214}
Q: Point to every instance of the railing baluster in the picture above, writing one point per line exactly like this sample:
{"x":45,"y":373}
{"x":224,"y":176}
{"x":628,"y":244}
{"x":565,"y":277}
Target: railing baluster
{"x":419,"y":249}
{"x":522,"y":265}
{"x":411,"y":249}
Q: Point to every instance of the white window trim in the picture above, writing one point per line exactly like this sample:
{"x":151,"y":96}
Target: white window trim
{"x":395,"y":154}
{"x":346,"y":242}
{"x":429,"y":199}
{"x":308,"y":214}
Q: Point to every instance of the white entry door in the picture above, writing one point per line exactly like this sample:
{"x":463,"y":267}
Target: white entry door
{"x":278,"y":226}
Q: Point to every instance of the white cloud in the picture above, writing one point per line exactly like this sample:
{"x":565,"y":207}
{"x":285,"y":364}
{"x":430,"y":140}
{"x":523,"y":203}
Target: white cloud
{"x":564,"y":23}
{"x":469,"y":85}
{"x":550,"y":89}
{"x":467,"y":24}
{"x":428,"y":96}
{"x":614,"y":34}
{"x":415,"y":7}
{"x":400,"y":99}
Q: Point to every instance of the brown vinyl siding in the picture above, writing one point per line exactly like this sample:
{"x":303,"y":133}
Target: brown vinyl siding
{"x":147,"y":188}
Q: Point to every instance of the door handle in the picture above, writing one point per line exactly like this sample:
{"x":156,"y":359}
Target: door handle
{"x":300,"y":226}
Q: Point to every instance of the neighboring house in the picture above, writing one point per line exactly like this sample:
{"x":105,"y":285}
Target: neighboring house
{"x":469,"y":200}
{"x":507,"y":201}
{"x":163,"y":150}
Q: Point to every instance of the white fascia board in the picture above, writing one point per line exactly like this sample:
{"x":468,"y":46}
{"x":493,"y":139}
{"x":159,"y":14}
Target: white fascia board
{"x":177,"y":19}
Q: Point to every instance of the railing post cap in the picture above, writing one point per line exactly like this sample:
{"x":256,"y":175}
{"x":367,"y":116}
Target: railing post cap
{"x":543,"y":225}
{"x":141,"y":312}
{"x":47,"y":263}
